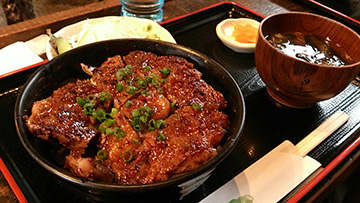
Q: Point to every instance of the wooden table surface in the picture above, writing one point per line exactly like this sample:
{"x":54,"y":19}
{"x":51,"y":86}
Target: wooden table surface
{"x":173,"y":8}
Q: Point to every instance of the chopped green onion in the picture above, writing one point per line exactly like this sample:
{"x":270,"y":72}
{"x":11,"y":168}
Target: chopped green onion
{"x":144,"y":93}
{"x":196,"y":106}
{"x":140,"y":117}
{"x":122,"y":72}
{"x":155,"y":82}
{"x":101,"y":154}
{"x":143,"y":118}
{"x":131,"y":90}
{"x":129,"y":67}
{"x":160,"y":124}
{"x":105,"y":96}
{"x":152,"y":75}
{"x":129,"y":82}
{"x":175,"y":116}
{"x":148,"y":68}
{"x":119,"y":133}
{"x":91,"y":97}
{"x":120,"y":87}
{"x":135,"y":140}
{"x":160,"y":137}
{"x":159,"y":90}
{"x":148,"y":78}
{"x":156,"y":124}
{"x":135,"y":113}
{"x":120,"y":75}
{"x":137,"y":127}
{"x":125,"y":71}
{"x":173,"y":104}
{"x":148,"y":110}
{"x":151,"y":125}
{"x":102,"y":129}
{"x":113,"y":112}
{"x":99,"y":161}
{"x":163,"y":80}
{"x":80,"y":101}
{"x":99,"y":114}
{"x":108,"y":122}
{"x":165,"y":71}
{"x":127,"y":156}
{"x":141,"y":83}
{"x":109,"y":131}
{"x":88,"y":108}
{"x":128,"y":103}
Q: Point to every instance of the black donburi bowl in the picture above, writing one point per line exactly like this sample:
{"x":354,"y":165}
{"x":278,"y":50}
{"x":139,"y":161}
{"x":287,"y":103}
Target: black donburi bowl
{"x":66,"y":68}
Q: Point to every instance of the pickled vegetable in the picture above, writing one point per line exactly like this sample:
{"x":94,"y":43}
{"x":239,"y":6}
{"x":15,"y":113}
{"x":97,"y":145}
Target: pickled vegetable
{"x":245,"y":33}
{"x":58,"y":43}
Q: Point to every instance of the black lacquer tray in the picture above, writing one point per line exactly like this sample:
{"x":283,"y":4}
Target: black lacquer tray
{"x":266,"y":125}
{"x":345,"y":11}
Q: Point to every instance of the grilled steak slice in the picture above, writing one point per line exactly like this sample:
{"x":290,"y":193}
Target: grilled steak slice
{"x":188,"y":141}
{"x":60,"y":118}
{"x":104,"y":77}
{"x":164,"y":120}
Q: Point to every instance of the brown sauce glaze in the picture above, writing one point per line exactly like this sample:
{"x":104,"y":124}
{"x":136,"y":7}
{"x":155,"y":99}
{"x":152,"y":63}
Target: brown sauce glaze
{"x":149,"y":116}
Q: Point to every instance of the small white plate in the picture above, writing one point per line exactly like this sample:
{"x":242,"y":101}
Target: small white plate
{"x":225,"y":29}
{"x":71,"y":33}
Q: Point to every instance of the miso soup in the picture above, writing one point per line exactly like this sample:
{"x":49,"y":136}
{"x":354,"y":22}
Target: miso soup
{"x":310,"y":48}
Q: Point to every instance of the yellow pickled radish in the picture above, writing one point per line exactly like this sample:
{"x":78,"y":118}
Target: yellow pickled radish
{"x":244,"y":33}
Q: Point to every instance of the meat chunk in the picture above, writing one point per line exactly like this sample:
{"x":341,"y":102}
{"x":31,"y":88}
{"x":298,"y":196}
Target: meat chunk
{"x":159,"y":118}
{"x":60,"y":118}
{"x":189,"y":140}
{"x":186,"y":87}
{"x":88,"y":168}
{"x":104,"y":77}
{"x":121,"y":150}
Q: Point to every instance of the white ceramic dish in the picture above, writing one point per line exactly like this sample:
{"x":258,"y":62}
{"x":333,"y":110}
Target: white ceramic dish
{"x":225,"y":29}
{"x":72,"y":32}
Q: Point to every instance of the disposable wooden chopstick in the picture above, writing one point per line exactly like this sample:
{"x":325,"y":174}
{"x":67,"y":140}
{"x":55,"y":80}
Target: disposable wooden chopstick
{"x":320,"y":133}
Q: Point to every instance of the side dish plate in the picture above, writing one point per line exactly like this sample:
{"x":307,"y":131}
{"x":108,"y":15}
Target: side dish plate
{"x":72,"y":32}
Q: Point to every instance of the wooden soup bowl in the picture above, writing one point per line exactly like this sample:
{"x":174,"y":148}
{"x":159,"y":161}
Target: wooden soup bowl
{"x":296,"y":83}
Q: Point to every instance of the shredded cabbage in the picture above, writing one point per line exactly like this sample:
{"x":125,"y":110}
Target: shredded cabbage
{"x":111,"y":30}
